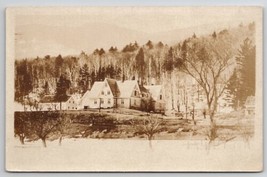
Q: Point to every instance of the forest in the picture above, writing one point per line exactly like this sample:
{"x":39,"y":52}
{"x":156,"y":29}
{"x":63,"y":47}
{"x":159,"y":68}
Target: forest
{"x":228,"y":57}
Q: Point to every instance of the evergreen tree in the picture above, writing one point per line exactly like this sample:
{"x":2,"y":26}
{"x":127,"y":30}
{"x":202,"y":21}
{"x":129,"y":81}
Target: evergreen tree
{"x":160,"y":45}
{"x":149,"y":44}
{"x":184,"y":50}
{"x":246,"y":60}
{"x":233,"y":86}
{"x":96,"y":52}
{"x":24,"y":81}
{"x":63,"y":85}
{"x":169,"y":61}
{"x":101,"y":52}
{"x":84,"y":78}
{"x":140,"y":64}
{"x":58,"y":65}
{"x":214,"y":35}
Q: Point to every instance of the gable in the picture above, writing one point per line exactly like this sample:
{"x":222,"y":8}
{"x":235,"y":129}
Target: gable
{"x":106,"y":90}
{"x":96,"y":90}
{"x":136,"y":91}
{"x":155,"y":91}
{"x":113,"y":87}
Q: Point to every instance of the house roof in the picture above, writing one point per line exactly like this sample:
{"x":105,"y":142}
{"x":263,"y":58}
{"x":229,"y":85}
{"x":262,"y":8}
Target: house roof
{"x":154,"y":90}
{"x":143,"y":89}
{"x":47,"y":99}
{"x":76,"y":98}
{"x":96,"y":89}
{"x":126,"y":87}
{"x":114,"y":87}
{"x":51,"y":99}
{"x":250,"y":101}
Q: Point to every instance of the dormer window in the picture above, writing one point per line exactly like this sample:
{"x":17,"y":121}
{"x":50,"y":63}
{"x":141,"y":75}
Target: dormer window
{"x":106,"y":84}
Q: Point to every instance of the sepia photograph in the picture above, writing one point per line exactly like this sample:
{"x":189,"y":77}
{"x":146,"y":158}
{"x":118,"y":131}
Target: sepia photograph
{"x":134,"y":89}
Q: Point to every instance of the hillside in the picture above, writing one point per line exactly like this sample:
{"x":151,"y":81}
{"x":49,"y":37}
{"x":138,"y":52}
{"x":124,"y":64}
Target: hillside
{"x":143,"y":61}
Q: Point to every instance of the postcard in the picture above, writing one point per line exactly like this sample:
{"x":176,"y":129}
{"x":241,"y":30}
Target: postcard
{"x":134,"y":89}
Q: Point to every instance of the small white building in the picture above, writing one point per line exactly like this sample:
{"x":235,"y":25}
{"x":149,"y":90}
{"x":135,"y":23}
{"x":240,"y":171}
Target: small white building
{"x":157,"y":96}
{"x":250,"y":105}
{"x":74,"y":102}
{"x":47,"y":103}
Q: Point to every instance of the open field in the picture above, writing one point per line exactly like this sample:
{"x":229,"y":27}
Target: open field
{"x":131,"y":124}
{"x":132,"y":155}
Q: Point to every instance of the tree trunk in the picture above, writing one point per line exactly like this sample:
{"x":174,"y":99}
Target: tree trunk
{"x":193,"y":115}
{"x":44,"y":142}
{"x":213,"y":132}
{"x":150,"y":144}
{"x":172,"y":94}
{"x":21,"y":138}
{"x":60,"y":140}
{"x":150,"y":137}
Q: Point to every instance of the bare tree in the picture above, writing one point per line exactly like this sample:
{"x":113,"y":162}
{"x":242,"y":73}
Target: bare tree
{"x":44,"y":123}
{"x":207,"y":60}
{"x":22,"y":125}
{"x":150,"y":126}
{"x":63,"y":126}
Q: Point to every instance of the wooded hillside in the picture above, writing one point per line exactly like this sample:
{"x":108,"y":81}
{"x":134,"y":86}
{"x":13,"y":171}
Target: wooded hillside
{"x":153,"y":62}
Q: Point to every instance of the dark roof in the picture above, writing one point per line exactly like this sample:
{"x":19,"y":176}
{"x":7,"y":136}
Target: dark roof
{"x":143,"y":89}
{"x":114,"y":87}
{"x":51,"y":99}
{"x":47,"y":99}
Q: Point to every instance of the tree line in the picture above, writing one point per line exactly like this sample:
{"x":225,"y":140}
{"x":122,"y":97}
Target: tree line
{"x":207,"y":59}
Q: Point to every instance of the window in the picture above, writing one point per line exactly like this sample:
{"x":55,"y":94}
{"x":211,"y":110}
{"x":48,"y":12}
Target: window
{"x":95,"y":102}
{"x":73,"y":102}
{"x":109,"y":101}
{"x":108,"y":92}
{"x":102,"y":101}
{"x":102,"y":93}
{"x":134,"y":102}
{"x":68,"y":107}
{"x":135,"y":93}
{"x":72,"y":107}
{"x":122,"y":101}
{"x":160,"y":97}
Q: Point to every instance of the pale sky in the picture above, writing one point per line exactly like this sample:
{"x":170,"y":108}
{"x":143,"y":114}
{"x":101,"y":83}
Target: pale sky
{"x":147,"y":20}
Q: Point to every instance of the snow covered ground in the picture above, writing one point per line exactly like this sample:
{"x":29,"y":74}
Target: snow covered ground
{"x":131,"y":155}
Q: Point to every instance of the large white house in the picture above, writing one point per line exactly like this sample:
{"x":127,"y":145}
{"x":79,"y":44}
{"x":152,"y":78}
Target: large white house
{"x":115,"y":94}
{"x":130,"y":94}
{"x":102,"y":95}
{"x":110,"y":94}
